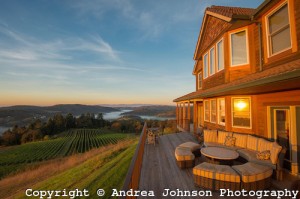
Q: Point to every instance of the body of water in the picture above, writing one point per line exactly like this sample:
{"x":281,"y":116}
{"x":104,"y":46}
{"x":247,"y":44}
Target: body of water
{"x":114,"y":115}
{"x":117,"y":114}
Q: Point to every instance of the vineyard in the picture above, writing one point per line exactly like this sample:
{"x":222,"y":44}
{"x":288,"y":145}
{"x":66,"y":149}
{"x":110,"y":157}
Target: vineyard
{"x":70,"y":142}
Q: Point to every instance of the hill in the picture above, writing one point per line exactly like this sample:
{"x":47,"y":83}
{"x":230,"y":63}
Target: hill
{"x":22,"y":115}
{"x":153,"y":110}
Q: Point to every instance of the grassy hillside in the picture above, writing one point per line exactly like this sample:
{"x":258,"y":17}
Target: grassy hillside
{"x":71,"y":142}
{"x":103,"y":168}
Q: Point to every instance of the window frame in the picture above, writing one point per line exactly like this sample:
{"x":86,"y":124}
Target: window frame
{"x":205,"y":67}
{"x":208,"y":109}
{"x":200,"y":80}
{"x":250,"y":112}
{"x":268,"y":36}
{"x":247,"y":46}
{"x":217,"y":55}
{"x":215,"y":111}
{"x":219,"y":112}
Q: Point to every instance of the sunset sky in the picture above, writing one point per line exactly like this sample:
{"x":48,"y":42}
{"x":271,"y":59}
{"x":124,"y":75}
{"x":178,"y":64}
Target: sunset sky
{"x":99,"y":51}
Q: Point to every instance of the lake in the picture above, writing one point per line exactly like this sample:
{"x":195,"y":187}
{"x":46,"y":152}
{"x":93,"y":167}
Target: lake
{"x":117,"y":114}
{"x":114,"y":115}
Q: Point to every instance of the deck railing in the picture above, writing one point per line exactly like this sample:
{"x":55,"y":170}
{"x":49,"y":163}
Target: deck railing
{"x":133,"y":175}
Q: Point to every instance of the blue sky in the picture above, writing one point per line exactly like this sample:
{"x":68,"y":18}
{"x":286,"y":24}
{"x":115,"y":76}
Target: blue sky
{"x":99,"y":51}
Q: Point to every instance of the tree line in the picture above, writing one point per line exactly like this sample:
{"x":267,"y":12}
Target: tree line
{"x":38,"y":130}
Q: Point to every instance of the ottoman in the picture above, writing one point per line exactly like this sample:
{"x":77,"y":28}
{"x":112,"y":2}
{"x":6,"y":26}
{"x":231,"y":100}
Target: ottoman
{"x":254,"y":176}
{"x":215,"y":177}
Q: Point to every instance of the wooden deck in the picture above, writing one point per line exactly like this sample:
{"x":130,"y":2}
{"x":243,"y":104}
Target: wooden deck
{"x":160,"y":171}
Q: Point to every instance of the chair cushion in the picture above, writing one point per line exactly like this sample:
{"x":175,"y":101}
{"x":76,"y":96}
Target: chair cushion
{"x":276,"y":148}
{"x":264,"y":145}
{"x":251,"y":172}
{"x":210,"y":135}
{"x":222,"y":136}
{"x":182,"y":154}
{"x":252,"y":142}
{"x":241,"y":140}
{"x":191,"y":145}
{"x":217,"y":172}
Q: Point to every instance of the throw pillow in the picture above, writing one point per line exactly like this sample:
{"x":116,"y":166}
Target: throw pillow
{"x":263,"y":155}
{"x":229,"y":141}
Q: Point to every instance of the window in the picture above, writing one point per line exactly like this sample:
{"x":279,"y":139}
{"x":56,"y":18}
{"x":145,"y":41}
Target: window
{"x":239,"y":52}
{"x":241,"y":112}
{"x":220,"y":56}
{"x":212,"y":61}
{"x":206,"y":110}
{"x":279,"y":37}
{"x":213,"y":111}
{"x":199,"y":80}
{"x":221,"y":111}
{"x":205,"y":64}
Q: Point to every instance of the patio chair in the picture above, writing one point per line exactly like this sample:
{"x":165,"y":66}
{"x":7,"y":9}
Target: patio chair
{"x":151,"y":138}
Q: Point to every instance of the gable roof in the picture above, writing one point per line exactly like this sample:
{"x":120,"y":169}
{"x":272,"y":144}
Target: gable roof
{"x":229,"y":12}
{"x":224,"y":13}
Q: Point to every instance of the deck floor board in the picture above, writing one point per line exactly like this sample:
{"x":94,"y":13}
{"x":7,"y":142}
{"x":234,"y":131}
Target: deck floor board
{"x":160,"y":171}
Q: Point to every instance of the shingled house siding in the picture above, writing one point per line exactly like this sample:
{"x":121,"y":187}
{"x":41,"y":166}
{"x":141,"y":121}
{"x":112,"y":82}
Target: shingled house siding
{"x":214,"y":29}
{"x":215,"y":80}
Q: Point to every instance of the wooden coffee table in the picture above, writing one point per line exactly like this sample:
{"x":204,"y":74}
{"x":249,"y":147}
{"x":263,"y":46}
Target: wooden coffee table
{"x":219,"y":155}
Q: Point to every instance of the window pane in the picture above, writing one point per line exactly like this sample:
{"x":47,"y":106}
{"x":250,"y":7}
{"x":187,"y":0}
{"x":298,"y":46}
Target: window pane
{"x":281,"y":40}
{"x":239,"y":48}
{"x":212,"y":61}
{"x":205,"y":63}
{"x":200,"y":80}
{"x":221,"y":111}
{"x":220,"y":56}
{"x":206,"y":108}
{"x":279,"y":19}
{"x":213,"y":106}
{"x":241,"y":112}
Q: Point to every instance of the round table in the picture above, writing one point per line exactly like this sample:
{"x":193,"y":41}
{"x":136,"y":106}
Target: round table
{"x":219,"y":155}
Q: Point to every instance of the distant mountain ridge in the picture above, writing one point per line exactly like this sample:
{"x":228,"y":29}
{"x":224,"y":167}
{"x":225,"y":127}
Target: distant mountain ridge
{"x":22,"y":114}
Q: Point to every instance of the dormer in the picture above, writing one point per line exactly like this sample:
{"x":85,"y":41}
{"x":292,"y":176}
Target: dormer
{"x":220,"y":26}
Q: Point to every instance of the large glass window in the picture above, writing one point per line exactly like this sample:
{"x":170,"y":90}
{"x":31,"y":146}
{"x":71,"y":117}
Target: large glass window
{"x":213,"y":111}
{"x":221,"y":111}
{"x":205,"y":65}
{"x":220,"y":56}
{"x":279,"y":30}
{"x":200,"y":80}
{"x":212,"y":61}
{"x":241,"y":112}
{"x":239,"y":51}
{"x":206,"y":110}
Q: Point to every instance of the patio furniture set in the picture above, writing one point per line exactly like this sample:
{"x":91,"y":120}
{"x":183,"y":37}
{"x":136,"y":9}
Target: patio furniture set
{"x":260,"y":157}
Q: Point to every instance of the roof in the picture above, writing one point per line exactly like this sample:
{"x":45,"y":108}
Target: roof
{"x":287,"y":71}
{"x":225,"y":13}
{"x":230,"y":12}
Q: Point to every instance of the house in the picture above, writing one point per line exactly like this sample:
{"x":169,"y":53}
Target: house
{"x":247,"y":72}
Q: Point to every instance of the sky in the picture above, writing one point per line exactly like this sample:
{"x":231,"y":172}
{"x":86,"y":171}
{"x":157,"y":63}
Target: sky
{"x":99,"y":51}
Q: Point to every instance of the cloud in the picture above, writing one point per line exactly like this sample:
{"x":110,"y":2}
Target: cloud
{"x":151,"y":18}
{"x":60,"y":49}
